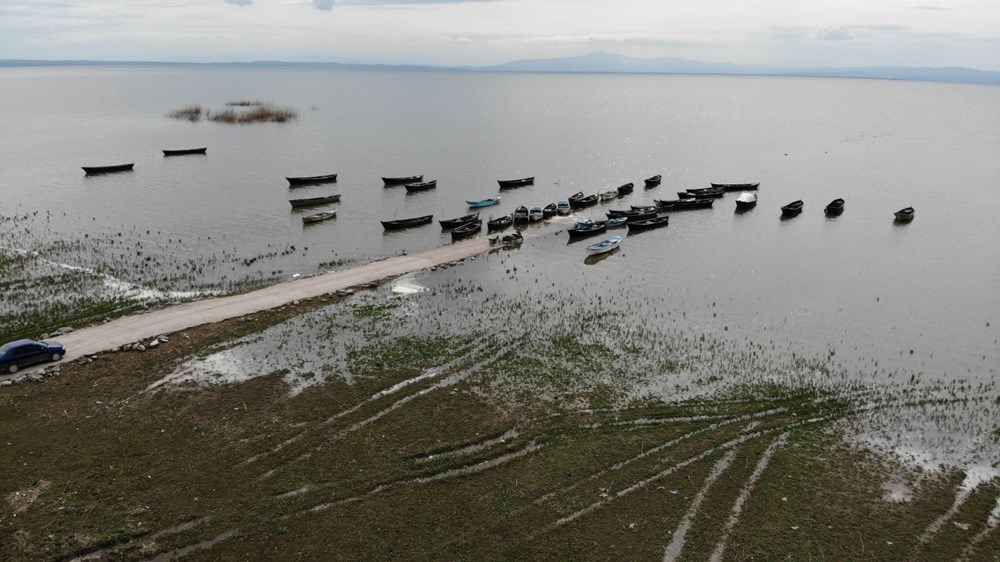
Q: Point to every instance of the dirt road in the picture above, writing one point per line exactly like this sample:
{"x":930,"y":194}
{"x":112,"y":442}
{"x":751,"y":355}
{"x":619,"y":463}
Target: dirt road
{"x":145,"y":326}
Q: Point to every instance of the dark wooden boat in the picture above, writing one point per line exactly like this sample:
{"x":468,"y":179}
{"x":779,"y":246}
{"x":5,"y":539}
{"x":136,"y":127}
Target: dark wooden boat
{"x":648,"y":224}
{"x":521,"y":214}
{"x":632,"y":214}
{"x":309,"y":180}
{"x":792,"y":209}
{"x":507,"y":184}
{"x":454,"y":223}
{"x":904,"y":215}
{"x":583,"y":231}
{"x":737,"y":186}
{"x":612,"y":213}
{"x":422,"y":186}
{"x":550,"y":210}
{"x":467,"y":229}
{"x":406,"y":223}
{"x":309,"y":202}
{"x":685,"y":204}
{"x":707,"y":191}
{"x":579,"y":200}
{"x":645,"y":208}
{"x":639,"y":217}
{"x":402,"y":180}
{"x":185,"y":151}
{"x":625,"y":189}
{"x":664,"y":205}
{"x":95,"y":170}
{"x":653,"y":181}
{"x":834,"y":208}
{"x":499,"y":223}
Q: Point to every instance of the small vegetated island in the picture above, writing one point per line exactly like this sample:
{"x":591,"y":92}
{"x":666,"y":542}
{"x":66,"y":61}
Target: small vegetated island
{"x":239,"y":111}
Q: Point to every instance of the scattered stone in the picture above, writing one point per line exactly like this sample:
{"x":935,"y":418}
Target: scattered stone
{"x":162,"y":338}
{"x":7,"y":383}
{"x":35,"y":377}
{"x":19,"y":379}
{"x":152,"y":344}
{"x":139,"y":347}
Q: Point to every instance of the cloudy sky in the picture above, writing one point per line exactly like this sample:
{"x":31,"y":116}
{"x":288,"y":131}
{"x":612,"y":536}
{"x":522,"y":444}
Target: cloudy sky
{"x":480,"y":32}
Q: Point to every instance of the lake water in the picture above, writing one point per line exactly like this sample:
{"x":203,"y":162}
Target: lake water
{"x":887,"y":300}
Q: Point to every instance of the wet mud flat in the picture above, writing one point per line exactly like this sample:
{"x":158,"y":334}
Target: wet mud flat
{"x":442,"y":421}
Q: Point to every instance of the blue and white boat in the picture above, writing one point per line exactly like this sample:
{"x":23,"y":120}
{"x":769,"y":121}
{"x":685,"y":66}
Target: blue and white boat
{"x":484,"y":202}
{"x":563,"y":207}
{"x":617,"y":222}
{"x":605,"y":246}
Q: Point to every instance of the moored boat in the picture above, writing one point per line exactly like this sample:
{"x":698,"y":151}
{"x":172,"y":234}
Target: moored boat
{"x":311,"y":201}
{"x":707,"y":191}
{"x":550,"y":210}
{"x":454,"y":223}
{"x":422,"y":186}
{"x":617,"y":222}
{"x":609,"y":194}
{"x":665,"y":205}
{"x":737,"y":186}
{"x":563,"y":208}
{"x":185,"y":151}
{"x":648,"y":224}
{"x":95,"y":170}
{"x":535,"y":214}
{"x":653,"y":181}
{"x":320,"y":216}
{"x":579,"y":200}
{"x":507,"y":184}
{"x":584,"y":230}
{"x":904,"y":215}
{"x":406,"y":223}
{"x":467,"y":229}
{"x":640,"y":216}
{"x":834,"y":208}
{"x":792,"y":209}
{"x":309,"y":180}
{"x":746,"y":200}
{"x":402,"y":180}
{"x":625,"y":189}
{"x":604,"y":246}
{"x":685,"y":204}
{"x":645,"y":208}
{"x":520,"y":214}
{"x":500,"y":223}
{"x":483,"y":202}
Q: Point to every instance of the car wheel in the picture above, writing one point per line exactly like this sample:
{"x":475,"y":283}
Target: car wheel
{"x":56,"y":357}
{"x":12,"y":368}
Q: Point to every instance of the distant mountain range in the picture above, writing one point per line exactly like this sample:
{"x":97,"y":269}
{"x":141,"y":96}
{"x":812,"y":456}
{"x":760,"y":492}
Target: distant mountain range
{"x":618,"y":64}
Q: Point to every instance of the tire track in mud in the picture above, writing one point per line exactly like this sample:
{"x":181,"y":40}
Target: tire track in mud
{"x":676,"y":545}
{"x":992,"y":522}
{"x":748,"y":486}
{"x":176,"y":529}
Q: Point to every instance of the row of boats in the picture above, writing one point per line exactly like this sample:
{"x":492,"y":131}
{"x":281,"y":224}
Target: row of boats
{"x":833,"y":209}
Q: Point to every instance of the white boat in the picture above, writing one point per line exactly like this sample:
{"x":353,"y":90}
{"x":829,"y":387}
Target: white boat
{"x":605,"y":246}
{"x":320,"y":216}
{"x":536,"y":214}
{"x":563,"y":208}
{"x":521,"y":214}
{"x":609,"y":195}
{"x":746,"y":200}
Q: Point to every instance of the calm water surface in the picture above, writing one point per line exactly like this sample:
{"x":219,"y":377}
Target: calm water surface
{"x":922,"y":297}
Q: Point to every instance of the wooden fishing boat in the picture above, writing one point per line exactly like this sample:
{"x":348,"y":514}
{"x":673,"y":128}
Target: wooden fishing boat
{"x":617,"y":222}
{"x":422,"y":186}
{"x":579,"y":200}
{"x":746,"y":201}
{"x":584,"y":230}
{"x":185,"y":151}
{"x":310,"y":180}
{"x":707,"y":191}
{"x":653,"y":181}
{"x":311,"y":201}
{"x":507,"y":184}
{"x":407,"y":223}
{"x":834,"y":208}
{"x":483,"y":202}
{"x":665,"y":205}
{"x":563,"y":207}
{"x":467,"y":229}
{"x":520,"y":214}
{"x":625,"y":189}
{"x":535,"y":214}
{"x":641,"y":216}
{"x":402,"y":180}
{"x":454,"y":223}
{"x":904,"y":215}
{"x":792,"y":209}
{"x":609,"y":195}
{"x":500,"y":223}
{"x":95,"y":170}
{"x":686,"y":204}
{"x":320,"y":216}
{"x":737,"y":186}
{"x":645,"y":208}
{"x":649,"y":224}
{"x":550,"y":210}
{"x":631,"y":213}
{"x":604,"y":246}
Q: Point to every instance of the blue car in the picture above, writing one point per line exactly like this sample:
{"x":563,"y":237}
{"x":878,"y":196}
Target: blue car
{"x":22,"y":353}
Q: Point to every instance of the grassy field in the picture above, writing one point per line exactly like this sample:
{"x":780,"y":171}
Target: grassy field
{"x":436,"y":450}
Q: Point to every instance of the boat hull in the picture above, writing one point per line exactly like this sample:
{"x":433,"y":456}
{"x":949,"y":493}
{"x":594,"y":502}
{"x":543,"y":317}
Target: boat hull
{"x":312,"y":180}
{"x":407,"y":223}
{"x":98,"y":170}
{"x":312,"y":201}
{"x":186,"y":151}
{"x":402,"y":180}
{"x":508,"y":184}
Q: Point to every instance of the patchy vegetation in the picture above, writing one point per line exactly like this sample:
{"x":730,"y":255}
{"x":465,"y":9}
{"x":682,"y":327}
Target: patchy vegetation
{"x":239,"y":111}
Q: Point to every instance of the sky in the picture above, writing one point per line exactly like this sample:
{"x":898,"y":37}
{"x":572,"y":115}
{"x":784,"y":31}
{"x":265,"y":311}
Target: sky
{"x":484,"y":32}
